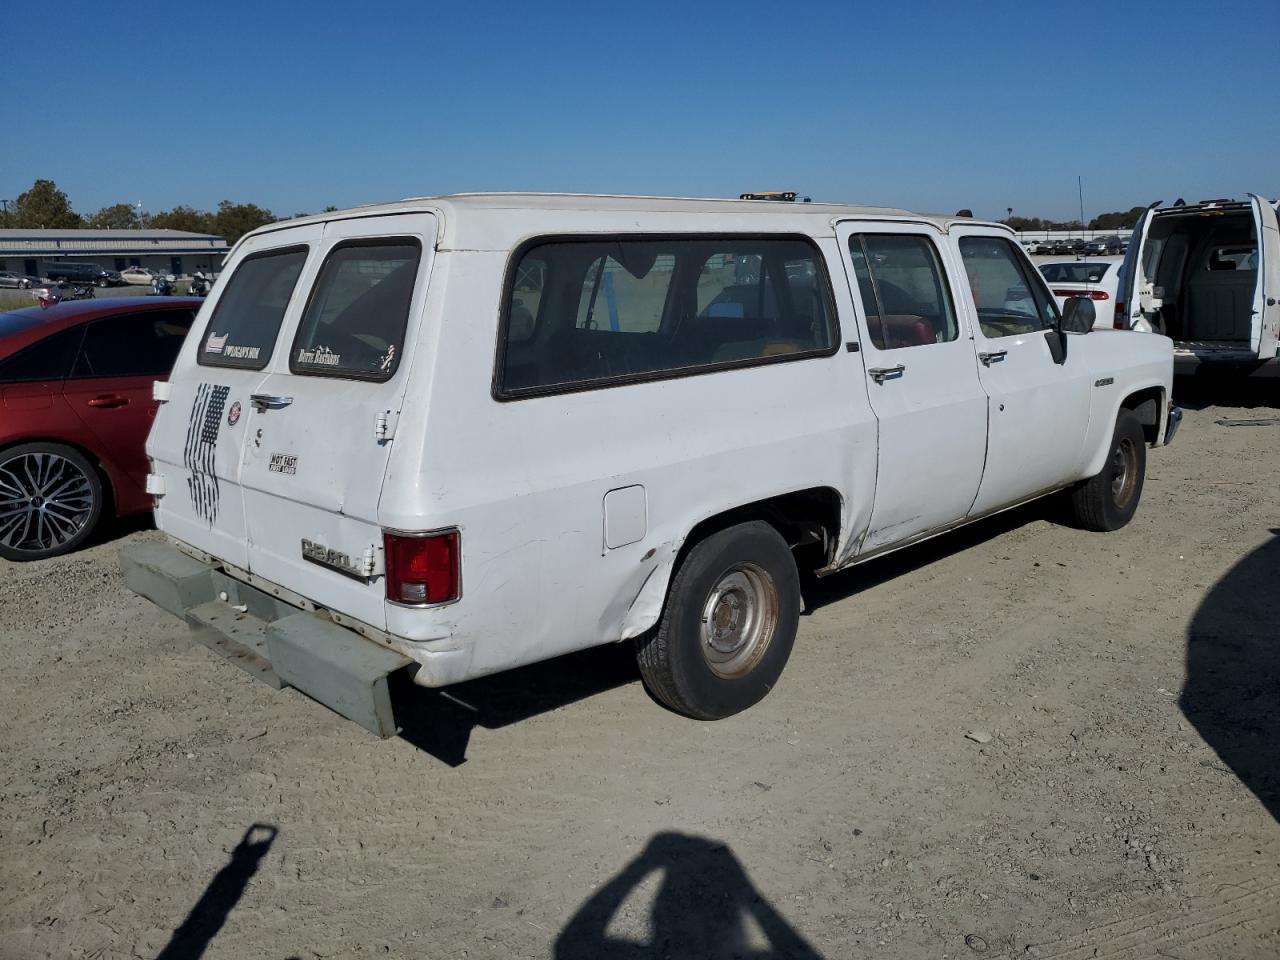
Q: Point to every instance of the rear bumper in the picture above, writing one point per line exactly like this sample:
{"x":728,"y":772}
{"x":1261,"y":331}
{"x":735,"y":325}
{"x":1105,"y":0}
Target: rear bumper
{"x":1172,"y":422}
{"x":273,"y":641}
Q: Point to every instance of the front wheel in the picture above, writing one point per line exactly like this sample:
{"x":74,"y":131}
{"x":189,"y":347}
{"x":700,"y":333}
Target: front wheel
{"x":1107,"y":500}
{"x":728,"y":626}
{"x":50,"y":500}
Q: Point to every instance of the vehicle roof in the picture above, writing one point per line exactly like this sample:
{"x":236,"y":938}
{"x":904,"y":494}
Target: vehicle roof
{"x":20,"y":328}
{"x":497,"y":221}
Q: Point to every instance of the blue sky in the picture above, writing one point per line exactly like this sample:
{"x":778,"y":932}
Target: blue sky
{"x":928,"y":105}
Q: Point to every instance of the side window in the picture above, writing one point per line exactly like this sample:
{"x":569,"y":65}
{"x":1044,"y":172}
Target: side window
{"x":356,"y":316}
{"x":136,"y":345}
{"x":904,"y":290}
{"x":242,"y":331}
{"x":47,"y":359}
{"x":584,"y":312}
{"x":1009,"y":301}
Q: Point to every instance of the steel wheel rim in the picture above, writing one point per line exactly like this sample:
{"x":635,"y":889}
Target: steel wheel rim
{"x":1124,"y":472}
{"x":739,"y":619}
{"x":45,"y":502}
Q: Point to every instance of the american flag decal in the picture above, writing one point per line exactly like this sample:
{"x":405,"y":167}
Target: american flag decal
{"x":202,"y":443}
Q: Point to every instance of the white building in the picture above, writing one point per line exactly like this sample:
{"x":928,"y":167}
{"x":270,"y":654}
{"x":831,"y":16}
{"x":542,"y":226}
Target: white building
{"x":31,"y":252}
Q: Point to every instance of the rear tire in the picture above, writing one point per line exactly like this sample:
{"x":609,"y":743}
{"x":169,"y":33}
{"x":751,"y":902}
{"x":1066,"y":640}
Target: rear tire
{"x":50,"y":500}
{"x":1107,"y":501}
{"x":728,"y":626}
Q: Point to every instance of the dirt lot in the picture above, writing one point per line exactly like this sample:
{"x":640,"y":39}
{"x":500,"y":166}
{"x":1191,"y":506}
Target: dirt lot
{"x":1124,"y":805}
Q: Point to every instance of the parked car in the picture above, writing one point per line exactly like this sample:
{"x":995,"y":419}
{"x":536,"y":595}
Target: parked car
{"x":77,"y":381}
{"x":62,"y":290}
{"x":1116,"y":245}
{"x":137,"y":276}
{"x":1095,"y":248}
{"x":1060,"y":247}
{"x":352,"y":428}
{"x":1096,"y":278}
{"x":82,"y":273}
{"x":1207,"y":275}
{"x":1043,"y":247}
{"x":15,"y":281}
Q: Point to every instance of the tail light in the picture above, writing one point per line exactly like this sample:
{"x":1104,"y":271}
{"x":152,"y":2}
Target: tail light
{"x":1091,"y":294}
{"x":422,"y":568}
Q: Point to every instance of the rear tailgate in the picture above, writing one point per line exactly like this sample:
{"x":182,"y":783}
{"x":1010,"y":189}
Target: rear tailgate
{"x":322,"y":418}
{"x":199,"y":434}
{"x":275,"y":439}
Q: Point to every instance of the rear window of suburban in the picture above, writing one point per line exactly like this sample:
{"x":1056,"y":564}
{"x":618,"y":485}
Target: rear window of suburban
{"x":586,"y":313}
{"x":356,"y":316}
{"x":1075,"y":272}
{"x":242,"y":331}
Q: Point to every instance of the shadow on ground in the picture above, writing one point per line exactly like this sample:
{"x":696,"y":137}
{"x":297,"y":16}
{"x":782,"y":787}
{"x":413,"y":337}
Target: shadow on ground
{"x":440,"y":722}
{"x":819,"y":593}
{"x":206,"y":918}
{"x":705,"y":907}
{"x":1227,"y":390}
{"x":1233,"y":671}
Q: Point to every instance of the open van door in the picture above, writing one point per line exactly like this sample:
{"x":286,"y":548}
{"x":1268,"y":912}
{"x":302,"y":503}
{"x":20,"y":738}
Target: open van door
{"x":1264,"y":333}
{"x":1134,"y":309}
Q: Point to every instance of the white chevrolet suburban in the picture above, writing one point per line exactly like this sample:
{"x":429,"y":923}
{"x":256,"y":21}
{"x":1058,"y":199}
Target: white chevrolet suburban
{"x":460,"y":434}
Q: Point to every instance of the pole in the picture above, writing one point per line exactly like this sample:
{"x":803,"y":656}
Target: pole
{"x":1080,"y":190}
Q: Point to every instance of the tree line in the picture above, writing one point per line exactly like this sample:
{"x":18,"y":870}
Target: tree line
{"x":1116,"y":220}
{"x":44,"y":206}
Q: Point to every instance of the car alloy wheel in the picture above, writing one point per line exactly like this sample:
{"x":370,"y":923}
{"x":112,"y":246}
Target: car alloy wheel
{"x":46,"y":503}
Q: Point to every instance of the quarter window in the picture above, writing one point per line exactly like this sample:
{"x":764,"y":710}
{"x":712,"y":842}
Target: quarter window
{"x":246,"y":321}
{"x":355,"y":320}
{"x":47,"y":359}
{"x":903,"y":289}
{"x":138,"y":345}
{"x":1009,"y":301}
{"x":590,"y":312}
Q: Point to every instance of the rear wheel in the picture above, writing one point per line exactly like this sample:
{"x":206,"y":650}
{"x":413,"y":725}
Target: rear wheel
{"x":50,"y":500}
{"x":1107,"y":501}
{"x":728,"y":626}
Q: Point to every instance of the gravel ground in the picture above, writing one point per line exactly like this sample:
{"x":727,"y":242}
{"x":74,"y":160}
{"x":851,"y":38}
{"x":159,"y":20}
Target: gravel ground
{"x":1021,"y":740}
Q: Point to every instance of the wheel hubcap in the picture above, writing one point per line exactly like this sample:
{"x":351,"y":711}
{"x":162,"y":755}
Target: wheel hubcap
{"x":45,"y":500}
{"x":738,"y":620}
{"x":1124,"y":472}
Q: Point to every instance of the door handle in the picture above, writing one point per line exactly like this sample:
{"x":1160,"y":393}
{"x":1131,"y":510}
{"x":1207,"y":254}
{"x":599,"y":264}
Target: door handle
{"x":109,"y":400}
{"x":993,"y":356}
{"x":266,"y":401}
{"x":881,"y":374}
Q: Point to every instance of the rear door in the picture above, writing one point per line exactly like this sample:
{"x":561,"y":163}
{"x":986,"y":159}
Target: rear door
{"x":1264,"y":335}
{"x":923,"y":381}
{"x":198,"y":438}
{"x":1134,"y":309}
{"x":321,"y":421}
{"x":1039,"y":409}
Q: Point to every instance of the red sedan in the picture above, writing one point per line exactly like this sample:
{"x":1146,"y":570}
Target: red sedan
{"x":75,"y":408}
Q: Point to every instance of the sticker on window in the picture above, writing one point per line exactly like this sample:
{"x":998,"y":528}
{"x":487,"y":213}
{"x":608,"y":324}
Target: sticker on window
{"x":246,"y":320}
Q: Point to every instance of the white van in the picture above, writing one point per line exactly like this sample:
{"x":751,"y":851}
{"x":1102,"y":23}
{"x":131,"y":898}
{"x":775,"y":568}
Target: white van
{"x":461,"y":434}
{"x":1208,"y":276}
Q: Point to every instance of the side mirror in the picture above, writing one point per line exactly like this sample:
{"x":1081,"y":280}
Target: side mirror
{"x":1078,"y":314}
